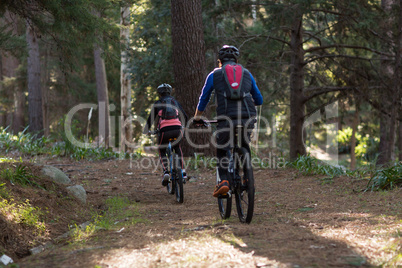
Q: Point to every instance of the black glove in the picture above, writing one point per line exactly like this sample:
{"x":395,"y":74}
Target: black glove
{"x":200,"y":123}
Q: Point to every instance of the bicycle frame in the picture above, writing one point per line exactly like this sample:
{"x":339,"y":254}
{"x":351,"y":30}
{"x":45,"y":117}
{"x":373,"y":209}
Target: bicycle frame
{"x":175,"y":186}
{"x":241,"y":186}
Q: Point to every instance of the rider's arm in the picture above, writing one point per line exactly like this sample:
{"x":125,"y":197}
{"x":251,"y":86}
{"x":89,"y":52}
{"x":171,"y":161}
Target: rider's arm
{"x":183,"y":112}
{"x":205,"y":95}
{"x":151,"y":119}
{"x":255,"y":92}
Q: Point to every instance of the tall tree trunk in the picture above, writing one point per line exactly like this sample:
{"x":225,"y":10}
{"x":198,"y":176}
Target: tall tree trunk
{"x":387,"y":122}
{"x":399,"y":141}
{"x":103,"y":98}
{"x":353,"y":139}
{"x":10,"y":66}
{"x":2,"y":111}
{"x":125,"y":81}
{"x":297,"y":99}
{"x":398,"y":76}
{"x":34,"y":85}
{"x":189,"y":61}
{"x":19,"y":107}
{"x":45,"y":92}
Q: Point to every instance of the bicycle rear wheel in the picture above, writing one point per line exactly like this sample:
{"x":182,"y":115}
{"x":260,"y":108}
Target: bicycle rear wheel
{"x":178,"y":182}
{"x":245,"y":189}
{"x":170,"y":186}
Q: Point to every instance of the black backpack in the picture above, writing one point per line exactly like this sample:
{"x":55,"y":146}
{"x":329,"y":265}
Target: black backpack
{"x":169,"y":109}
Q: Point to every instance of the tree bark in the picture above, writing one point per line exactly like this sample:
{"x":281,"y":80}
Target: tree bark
{"x":398,"y":74}
{"x":10,"y":66}
{"x":45,"y":92}
{"x":353,"y":139}
{"x":103,"y":98}
{"x":189,"y":62}
{"x":400,"y":142}
{"x":102,"y":92}
{"x":125,"y":80}
{"x":388,"y":102}
{"x":34,"y":84}
{"x":297,"y":99}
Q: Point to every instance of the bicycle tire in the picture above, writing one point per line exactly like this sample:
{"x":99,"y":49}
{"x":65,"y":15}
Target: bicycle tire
{"x":224,"y":204}
{"x":178,"y":182}
{"x":225,"y":207}
{"x":170,"y":186}
{"x":245,"y":191}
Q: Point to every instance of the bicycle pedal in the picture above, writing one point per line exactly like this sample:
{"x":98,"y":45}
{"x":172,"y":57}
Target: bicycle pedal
{"x":227,"y":195}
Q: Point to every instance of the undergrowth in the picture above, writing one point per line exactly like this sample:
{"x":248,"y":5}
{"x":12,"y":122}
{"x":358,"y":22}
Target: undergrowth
{"x":386,"y":178}
{"x":31,"y":144}
{"x":19,"y":174}
{"x":22,"y":213}
{"x":119,"y":210}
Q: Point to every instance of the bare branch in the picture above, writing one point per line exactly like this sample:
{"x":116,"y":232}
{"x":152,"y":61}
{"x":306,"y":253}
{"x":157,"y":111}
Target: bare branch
{"x":324,"y":90}
{"x":265,"y":36}
{"x":347,"y":46}
{"x":336,"y":56}
{"x":323,"y":105}
{"x":328,"y":11}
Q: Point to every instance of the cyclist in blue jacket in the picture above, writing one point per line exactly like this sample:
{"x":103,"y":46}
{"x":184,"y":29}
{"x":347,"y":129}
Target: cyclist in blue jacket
{"x":237,"y":95}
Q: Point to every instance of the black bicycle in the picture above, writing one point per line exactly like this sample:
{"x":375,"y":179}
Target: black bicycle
{"x":241,"y":180}
{"x":175,"y":184}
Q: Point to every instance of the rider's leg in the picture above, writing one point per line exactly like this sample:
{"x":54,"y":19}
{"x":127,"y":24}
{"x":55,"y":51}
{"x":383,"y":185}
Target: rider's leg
{"x":222,"y":139}
{"x":163,"y":157}
{"x":162,"y":152}
{"x":178,"y":134}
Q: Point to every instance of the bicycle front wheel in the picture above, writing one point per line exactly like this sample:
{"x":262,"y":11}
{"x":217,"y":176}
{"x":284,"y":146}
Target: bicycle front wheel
{"x":244,"y":189}
{"x":178,"y":182}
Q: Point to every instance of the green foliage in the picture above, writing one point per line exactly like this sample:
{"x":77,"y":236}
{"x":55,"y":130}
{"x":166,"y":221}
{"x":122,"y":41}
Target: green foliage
{"x":308,"y":165}
{"x":28,"y":143}
{"x":81,"y":235}
{"x":368,"y":148}
{"x":343,"y":137}
{"x":19,"y":174}
{"x":4,"y":193}
{"x":152,"y":53}
{"x":23,"y":213}
{"x":118,"y":209}
{"x":386,"y":178}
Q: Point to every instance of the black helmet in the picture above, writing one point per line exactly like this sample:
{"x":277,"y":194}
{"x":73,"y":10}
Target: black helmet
{"x":228,"y":52}
{"x":164,"y":88}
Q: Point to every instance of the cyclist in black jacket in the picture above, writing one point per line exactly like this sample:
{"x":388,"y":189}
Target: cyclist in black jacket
{"x":170,"y":114}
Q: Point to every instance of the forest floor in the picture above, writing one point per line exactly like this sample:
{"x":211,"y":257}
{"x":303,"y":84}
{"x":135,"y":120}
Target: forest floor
{"x":299,"y":221}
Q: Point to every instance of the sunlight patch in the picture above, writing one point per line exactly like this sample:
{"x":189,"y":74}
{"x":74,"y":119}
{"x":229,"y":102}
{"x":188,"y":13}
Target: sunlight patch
{"x":200,"y":251}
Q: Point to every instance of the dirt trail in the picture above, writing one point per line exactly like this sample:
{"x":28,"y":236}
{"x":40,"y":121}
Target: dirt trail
{"x":298,"y":222}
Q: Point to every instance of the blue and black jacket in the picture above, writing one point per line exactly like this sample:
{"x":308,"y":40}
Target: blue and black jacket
{"x":235,"y":109}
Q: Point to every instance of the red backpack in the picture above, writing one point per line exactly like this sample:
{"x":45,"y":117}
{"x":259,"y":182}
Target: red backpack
{"x":233,"y":74}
